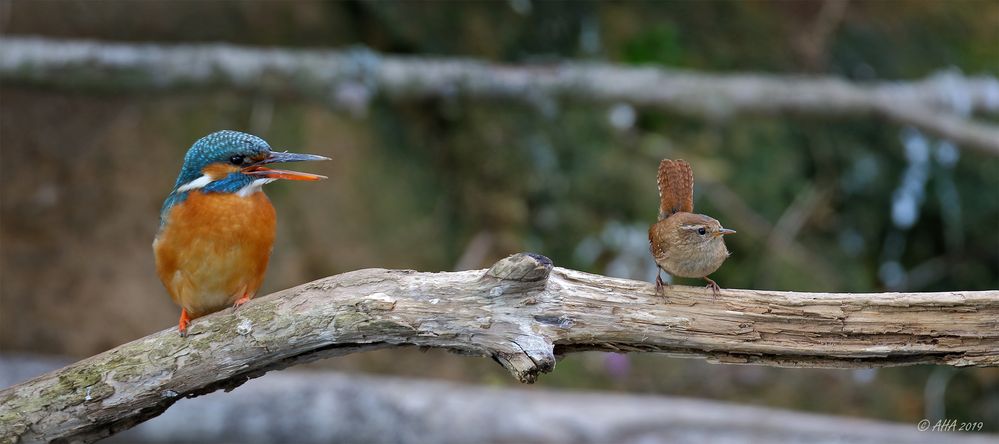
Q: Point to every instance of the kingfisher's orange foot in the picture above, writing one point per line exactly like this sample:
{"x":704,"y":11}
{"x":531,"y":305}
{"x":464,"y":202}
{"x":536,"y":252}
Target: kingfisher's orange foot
{"x":183,"y":323}
{"x":241,"y":301}
{"x":712,"y":285}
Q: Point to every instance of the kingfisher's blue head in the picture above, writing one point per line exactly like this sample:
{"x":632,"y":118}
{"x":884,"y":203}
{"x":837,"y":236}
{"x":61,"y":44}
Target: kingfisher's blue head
{"x":232,"y":162}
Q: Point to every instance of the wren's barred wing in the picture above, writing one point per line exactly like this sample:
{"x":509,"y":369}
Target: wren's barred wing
{"x":676,"y":188}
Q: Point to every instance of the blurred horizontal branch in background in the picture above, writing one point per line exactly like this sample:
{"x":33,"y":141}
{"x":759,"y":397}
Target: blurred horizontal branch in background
{"x":522,"y":312}
{"x":941,"y":105}
{"x":324,"y":407}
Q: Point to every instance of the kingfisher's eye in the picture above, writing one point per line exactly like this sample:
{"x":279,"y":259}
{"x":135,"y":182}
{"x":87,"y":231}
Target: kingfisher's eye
{"x":701,"y":231}
{"x":237,"y":160}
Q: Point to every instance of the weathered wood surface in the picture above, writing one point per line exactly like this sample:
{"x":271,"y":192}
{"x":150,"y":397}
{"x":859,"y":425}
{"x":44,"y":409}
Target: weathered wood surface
{"x":522,"y":312}
{"x":940,"y":105}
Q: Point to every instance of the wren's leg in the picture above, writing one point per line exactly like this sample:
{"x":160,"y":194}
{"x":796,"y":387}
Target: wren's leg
{"x":183,"y":323}
{"x":661,"y":285}
{"x":712,"y":285}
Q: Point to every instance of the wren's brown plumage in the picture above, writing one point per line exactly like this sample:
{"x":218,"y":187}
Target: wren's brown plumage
{"x":684,"y":244}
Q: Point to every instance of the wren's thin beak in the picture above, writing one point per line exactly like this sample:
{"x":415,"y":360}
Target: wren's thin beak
{"x":724,"y":231}
{"x":257,"y":168}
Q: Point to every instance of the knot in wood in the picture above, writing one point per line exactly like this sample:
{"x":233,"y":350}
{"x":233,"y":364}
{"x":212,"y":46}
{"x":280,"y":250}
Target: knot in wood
{"x":522,"y":267}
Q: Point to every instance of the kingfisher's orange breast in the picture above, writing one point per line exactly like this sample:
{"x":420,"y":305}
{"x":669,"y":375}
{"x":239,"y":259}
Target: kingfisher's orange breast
{"x":214,"y":248}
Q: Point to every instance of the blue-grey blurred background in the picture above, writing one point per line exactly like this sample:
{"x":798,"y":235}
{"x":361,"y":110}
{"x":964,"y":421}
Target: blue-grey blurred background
{"x":822,"y":203}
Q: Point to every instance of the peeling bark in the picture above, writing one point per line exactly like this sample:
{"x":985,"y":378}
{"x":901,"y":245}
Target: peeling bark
{"x":522,"y":312}
{"x":940,"y":105}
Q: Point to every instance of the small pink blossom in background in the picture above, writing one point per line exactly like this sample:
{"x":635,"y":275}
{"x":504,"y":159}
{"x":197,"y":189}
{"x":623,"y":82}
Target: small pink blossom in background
{"x":618,"y":365}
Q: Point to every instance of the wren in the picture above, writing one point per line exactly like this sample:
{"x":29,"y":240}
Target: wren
{"x":684,"y":243}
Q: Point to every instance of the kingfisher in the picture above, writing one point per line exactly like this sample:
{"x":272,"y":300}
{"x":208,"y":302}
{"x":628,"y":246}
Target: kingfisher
{"x":217,"y":227}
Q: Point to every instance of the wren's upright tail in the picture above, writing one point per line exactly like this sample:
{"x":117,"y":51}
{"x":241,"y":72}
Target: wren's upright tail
{"x":676,"y":188}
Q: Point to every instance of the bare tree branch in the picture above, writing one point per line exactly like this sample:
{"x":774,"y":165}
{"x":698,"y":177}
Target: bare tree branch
{"x":521,"y":312}
{"x":352,"y":78}
{"x":334,"y":407}
{"x":396,"y":410}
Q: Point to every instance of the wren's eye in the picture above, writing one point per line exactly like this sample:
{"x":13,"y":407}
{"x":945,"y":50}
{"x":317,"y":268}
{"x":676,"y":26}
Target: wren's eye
{"x":701,"y":231}
{"x":237,"y":160}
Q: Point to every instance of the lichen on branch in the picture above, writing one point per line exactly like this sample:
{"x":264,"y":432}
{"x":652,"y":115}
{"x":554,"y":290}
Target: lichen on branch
{"x":522,"y":312}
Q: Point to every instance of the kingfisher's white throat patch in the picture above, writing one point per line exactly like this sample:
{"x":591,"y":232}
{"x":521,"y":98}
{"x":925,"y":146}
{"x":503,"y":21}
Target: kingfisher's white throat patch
{"x":196,"y":183}
{"x":246,"y":191}
{"x":253,"y":187}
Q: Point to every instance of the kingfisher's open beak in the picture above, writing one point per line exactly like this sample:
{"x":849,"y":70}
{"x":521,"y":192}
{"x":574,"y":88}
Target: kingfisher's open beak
{"x":724,"y":231}
{"x":258,"y":169}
